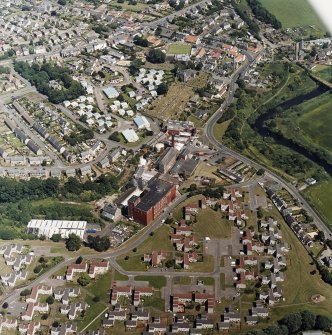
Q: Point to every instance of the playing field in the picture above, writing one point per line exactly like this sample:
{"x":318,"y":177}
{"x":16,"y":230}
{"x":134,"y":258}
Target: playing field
{"x":179,"y":49}
{"x":320,"y":196}
{"x":293,"y":13}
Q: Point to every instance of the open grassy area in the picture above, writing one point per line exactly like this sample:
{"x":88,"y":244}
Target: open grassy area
{"x":173,"y":103}
{"x":210,"y":224}
{"x":159,"y":241}
{"x":155,"y":281}
{"x":101,"y":287}
{"x":320,"y":196}
{"x":205,"y":266}
{"x":139,"y":7}
{"x":220,"y":128}
{"x":293,"y":13}
{"x":323,"y":71}
{"x":179,"y":49}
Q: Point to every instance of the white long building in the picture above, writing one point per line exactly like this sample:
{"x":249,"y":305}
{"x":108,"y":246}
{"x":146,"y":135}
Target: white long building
{"x":62,"y":227}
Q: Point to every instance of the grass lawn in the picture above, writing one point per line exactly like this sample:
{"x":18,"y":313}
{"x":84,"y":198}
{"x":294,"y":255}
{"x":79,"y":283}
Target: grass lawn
{"x":179,"y":49}
{"x":91,"y":313}
{"x":182,"y":280}
{"x":156,"y":302}
{"x":101,"y":287}
{"x":320,"y":196}
{"x":210,"y":224}
{"x":289,"y":14}
{"x":139,"y":7}
{"x":207,"y":280}
{"x":159,"y":241}
{"x":173,"y":103}
{"x":155,"y":281}
{"x":134,"y":263}
{"x":219,"y":129}
{"x":222,"y":281}
{"x":119,"y":276}
{"x":205,"y":266}
{"x":297,"y":296}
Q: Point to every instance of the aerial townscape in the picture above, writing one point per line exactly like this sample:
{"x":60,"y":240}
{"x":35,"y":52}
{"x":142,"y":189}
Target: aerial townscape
{"x":165,"y":167}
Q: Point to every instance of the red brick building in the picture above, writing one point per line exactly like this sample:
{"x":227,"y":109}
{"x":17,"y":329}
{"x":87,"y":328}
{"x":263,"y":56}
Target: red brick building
{"x":151,"y":203}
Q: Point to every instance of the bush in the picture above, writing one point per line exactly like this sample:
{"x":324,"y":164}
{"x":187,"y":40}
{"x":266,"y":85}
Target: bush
{"x":37,"y":269}
{"x":84,"y":279}
{"x":5,"y":305}
{"x":73,"y":242}
{"x":25,"y":292}
{"x":50,"y":300}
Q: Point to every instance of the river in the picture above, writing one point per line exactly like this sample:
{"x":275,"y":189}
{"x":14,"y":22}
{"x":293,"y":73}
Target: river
{"x":265,"y":132}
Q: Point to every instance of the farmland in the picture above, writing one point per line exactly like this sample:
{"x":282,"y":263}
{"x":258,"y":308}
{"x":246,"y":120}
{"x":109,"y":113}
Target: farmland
{"x":289,"y":14}
{"x":320,"y":197}
{"x":310,"y":121}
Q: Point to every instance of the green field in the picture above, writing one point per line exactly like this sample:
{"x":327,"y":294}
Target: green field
{"x":179,"y":49}
{"x":324,"y":72}
{"x":320,"y":196}
{"x":309,"y":124}
{"x":219,"y":130}
{"x":210,"y":224}
{"x":316,"y":121}
{"x":155,"y":281}
{"x":293,"y":13}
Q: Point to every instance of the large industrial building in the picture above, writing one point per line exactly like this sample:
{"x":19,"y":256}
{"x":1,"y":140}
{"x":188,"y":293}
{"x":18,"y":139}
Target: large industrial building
{"x":151,"y":203}
{"x":50,"y":227}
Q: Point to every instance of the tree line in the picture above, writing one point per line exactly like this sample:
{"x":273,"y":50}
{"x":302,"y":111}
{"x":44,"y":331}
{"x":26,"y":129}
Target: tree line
{"x":295,"y":323}
{"x":40,"y":76}
{"x":262,"y":14}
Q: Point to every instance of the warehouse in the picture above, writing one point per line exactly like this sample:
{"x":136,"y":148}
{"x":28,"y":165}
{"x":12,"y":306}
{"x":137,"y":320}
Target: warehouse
{"x":50,"y":227}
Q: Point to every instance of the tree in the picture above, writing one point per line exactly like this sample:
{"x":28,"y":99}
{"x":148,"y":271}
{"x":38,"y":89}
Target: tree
{"x":98,"y":243}
{"x":44,"y":316}
{"x":260,"y":172}
{"x":37,"y":269}
{"x":50,"y":300}
{"x":84,"y":279}
{"x":5,"y":305}
{"x":56,"y":237}
{"x":25,"y":292}
{"x":293,"y":322}
{"x":115,"y":137}
{"x":260,"y":212}
{"x":62,"y":2}
{"x":73,"y":242}
{"x":308,"y":320}
{"x":156,"y":56}
{"x":79,"y":260}
{"x":323,"y":323}
{"x":321,"y":236}
{"x":162,"y":89}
